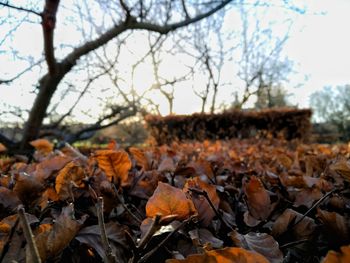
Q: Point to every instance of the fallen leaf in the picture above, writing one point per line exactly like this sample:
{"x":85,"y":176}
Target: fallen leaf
{"x":71,"y":175}
{"x":2,"y":148}
{"x":167,"y":165}
{"x":338,"y":257}
{"x":168,"y":200}
{"x":262,"y":243}
{"x":48,"y":167}
{"x":258,"y":199}
{"x":205,"y":211}
{"x":226,"y":255}
{"x":204,"y":238}
{"x":28,"y":188}
{"x":116,"y":165}
{"x":303,"y":230}
{"x":140,"y":157}
{"x":51,"y":242}
{"x":336,"y":226}
{"x":91,"y":236}
{"x":8,"y":202}
{"x":342,"y":167}
{"x":42,"y":145}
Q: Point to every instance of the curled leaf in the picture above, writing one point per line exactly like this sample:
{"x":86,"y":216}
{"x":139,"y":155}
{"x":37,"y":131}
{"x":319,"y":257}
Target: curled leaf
{"x":334,"y":257}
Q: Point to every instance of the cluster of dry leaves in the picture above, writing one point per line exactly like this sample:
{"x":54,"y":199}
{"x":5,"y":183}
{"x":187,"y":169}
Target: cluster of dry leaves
{"x":233,"y":201}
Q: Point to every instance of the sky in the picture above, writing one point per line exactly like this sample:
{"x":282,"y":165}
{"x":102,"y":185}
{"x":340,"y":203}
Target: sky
{"x":322,"y":47}
{"x":319,"y":46}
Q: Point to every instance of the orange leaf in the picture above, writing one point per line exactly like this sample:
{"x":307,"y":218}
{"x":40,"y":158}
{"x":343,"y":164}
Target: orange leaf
{"x":226,"y":255}
{"x":42,"y":145}
{"x":258,"y":199}
{"x":2,"y":148}
{"x":71,"y":173}
{"x":342,"y":167}
{"x":168,"y":200}
{"x":335,"y":257}
{"x":140,"y":158}
{"x":116,"y":164}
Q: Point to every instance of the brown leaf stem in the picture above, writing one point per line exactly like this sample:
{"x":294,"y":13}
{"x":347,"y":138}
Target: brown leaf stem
{"x":151,"y":230}
{"x":109,"y":258}
{"x":145,"y":257}
{"x":29,"y":235}
{"x":205,"y":194}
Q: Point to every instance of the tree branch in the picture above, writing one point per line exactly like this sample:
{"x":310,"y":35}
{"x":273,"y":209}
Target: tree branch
{"x":18,"y":8}
{"x":48,"y":25}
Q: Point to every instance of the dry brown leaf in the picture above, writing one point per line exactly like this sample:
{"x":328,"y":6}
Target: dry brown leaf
{"x":338,"y":257}
{"x":48,"y":167}
{"x":167,"y":165}
{"x":42,"y":145}
{"x":2,"y":148}
{"x":140,"y":157}
{"x":258,"y":199}
{"x":168,"y":200}
{"x":262,"y":243}
{"x":71,"y":175}
{"x":205,"y":212}
{"x":336,"y":225}
{"x":342,"y":167}
{"x":53,"y":240}
{"x":303,"y":230}
{"x":205,"y":238}
{"x":116,"y":165}
{"x":28,"y":188}
{"x":226,"y":255}
{"x":8,"y":202}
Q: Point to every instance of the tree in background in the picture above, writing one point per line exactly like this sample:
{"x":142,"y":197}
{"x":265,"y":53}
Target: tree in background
{"x":111,"y":21}
{"x":263,"y":69}
{"x":331,"y":106}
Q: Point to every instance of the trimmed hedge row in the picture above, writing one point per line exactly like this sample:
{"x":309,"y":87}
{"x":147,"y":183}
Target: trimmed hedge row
{"x":282,"y":122}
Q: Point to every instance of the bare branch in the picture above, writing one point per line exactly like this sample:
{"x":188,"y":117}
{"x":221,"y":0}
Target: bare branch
{"x":18,"y":8}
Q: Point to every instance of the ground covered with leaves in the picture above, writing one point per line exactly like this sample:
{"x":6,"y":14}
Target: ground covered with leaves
{"x":224,"y":201}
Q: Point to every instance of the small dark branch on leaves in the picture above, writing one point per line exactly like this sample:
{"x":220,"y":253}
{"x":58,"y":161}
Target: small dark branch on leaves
{"x":294,"y":243}
{"x":205,"y":194}
{"x":314,"y":206}
{"x":124,"y":205}
{"x":151,"y":230}
{"x":18,"y":8}
{"x":154,"y":250}
{"x":76,"y":152}
{"x":29,"y":236}
{"x":109,"y":258}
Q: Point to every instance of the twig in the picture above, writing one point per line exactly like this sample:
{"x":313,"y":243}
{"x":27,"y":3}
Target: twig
{"x":315,"y":205}
{"x":33,"y":249}
{"x":21,"y":9}
{"x":154,"y":250}
{"x":294,"y":243}
{"x":151,"y":230}
{"x":109,"y":257}
{"x":76,"y":152}
{"x":205,"y":194}
{"x":124,"y":206}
